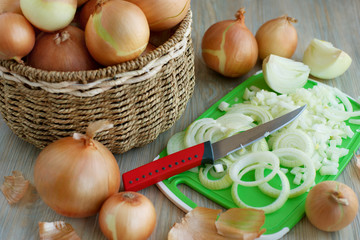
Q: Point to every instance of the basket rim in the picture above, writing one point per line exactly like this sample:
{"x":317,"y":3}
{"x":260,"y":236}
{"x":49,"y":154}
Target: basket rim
{"x":89,"y":76}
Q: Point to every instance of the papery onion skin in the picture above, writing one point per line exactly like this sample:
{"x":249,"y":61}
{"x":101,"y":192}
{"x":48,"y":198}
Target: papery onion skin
{"x":116,"y":32}
{"x":324,"y":209}
{"x":64,"y":50}
{"x":74,"y":177}
{"x":277,"y":36}
{"x":163,"y":14}
{"x":229,"y":48}
{"x":17,"y":36}
{"x":127,"y":216}
{"x":81,"y":2}
{"x":49,"y":15}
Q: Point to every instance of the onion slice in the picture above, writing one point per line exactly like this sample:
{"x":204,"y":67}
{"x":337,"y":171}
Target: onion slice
{"x":272,"y":207}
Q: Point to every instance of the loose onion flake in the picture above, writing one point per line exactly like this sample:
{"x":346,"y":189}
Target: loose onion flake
{"x":205,"y":223}
{"x":14,"y":187}
{"x":57,"y":230}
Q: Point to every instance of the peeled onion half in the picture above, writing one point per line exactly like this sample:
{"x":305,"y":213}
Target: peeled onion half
{"x":326,"y":61}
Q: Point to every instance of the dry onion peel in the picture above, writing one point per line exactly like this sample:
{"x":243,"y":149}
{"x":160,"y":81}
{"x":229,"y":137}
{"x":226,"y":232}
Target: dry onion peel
{"x":75,"y":175}
{"x":241,"y":223}
{"x":14,"y":187}
{"x":10,"y":6}
{"x":326,"y":61}
{"x":58,"y":230}
{"x":203,"y":223}
{"x":284,"y":75}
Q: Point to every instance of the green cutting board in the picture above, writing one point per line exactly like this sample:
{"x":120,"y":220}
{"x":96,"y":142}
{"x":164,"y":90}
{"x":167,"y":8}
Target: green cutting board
{"x":278,"y":223}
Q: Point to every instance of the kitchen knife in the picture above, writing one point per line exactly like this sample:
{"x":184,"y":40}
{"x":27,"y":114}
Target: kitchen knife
{"x":203,"y":153}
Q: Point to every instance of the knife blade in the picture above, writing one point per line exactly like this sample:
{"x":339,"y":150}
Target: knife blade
{"x":203,"y":153}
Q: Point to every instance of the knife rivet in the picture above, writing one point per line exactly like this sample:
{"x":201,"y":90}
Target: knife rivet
{"x":196,"y":156}
{"x":189,"y":158}
{"x":137,"y":179}
{"x":163,"y":168}
{"x":130,"y":182}
{"x":144,"y":176}
{"x":156,"y":171}
{"x":150,"y":173}
{"x":170,"y":165}
{"x":183,"y":160}
{"x":176,"y":163}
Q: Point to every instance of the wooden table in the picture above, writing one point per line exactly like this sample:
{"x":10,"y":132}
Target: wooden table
{"x":334,"y":21}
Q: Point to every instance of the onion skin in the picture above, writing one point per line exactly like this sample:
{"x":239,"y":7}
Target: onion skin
{"x":278,"y":37}
{"x":116,"y":32}
{"x":127,"y":216}
{"x":74,"y":177}
{"x":49,"y":15}
{"x":17,"y":36}
{"x":163,"y":14}
{"x":324,"y":207}
{"x":67,"y":47}
{"x":229,"y":48}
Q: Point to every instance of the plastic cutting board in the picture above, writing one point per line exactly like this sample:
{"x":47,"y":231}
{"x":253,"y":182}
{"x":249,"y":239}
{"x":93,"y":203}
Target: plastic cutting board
{"x":278,"y":223}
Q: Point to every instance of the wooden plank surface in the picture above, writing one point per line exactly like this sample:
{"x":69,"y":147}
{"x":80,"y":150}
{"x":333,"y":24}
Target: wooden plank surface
{"x":331,"y":20}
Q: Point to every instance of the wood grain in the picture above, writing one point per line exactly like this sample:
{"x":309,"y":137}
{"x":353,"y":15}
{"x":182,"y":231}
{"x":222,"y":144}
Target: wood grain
{"x":334,"y":21}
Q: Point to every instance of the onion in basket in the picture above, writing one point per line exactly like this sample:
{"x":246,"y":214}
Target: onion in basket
{"x":116,"y":32}
{"x":163,"y":14}
{"x":64,"y":50}
{"x":49,"y":15}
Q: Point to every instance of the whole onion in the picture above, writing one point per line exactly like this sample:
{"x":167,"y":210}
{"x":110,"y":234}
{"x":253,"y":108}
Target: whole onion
{"x":229,"y":48}
{"x":116,"y":32}
{"x":75,"y":175}
{"x":64,"y":50}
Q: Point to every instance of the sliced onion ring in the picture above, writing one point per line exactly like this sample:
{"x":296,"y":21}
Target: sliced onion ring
{"x":272,"y":207}
{"x":217,"y":184}
{"x":302,"y":188}
{"x":239,"y":168}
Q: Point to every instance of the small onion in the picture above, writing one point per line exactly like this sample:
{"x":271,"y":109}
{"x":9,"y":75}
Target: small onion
{"x":47,"y":15}
{"x":75,"y":175}
{"x":331,"y":206}
{"x":229,"y":48}
{"x":116,"y":32}
{"x":277,"y":36}
{"x":163,"y":14}
{"x":127,"y":216}
{"x":64,"y":50}
{"x":17,"y":36}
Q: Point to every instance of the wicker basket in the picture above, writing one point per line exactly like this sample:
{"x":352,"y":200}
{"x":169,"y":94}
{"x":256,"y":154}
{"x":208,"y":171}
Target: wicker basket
{"x":142,"y":98}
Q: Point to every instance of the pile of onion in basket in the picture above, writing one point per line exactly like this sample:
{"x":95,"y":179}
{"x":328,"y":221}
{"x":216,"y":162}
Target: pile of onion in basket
{"x":71,"y":35}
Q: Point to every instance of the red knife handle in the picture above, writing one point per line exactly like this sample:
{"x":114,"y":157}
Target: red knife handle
{"x":168,"y":166}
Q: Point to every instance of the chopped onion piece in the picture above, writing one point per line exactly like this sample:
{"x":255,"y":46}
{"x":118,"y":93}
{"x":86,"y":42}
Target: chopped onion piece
{"x":284,"y":75}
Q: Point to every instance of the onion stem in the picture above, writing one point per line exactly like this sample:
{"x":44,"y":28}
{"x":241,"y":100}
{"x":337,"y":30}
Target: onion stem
{"x":337,"y":196}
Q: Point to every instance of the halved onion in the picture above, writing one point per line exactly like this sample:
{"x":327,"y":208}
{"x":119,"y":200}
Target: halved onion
{"x":325,"y":60}
{"x":284,"y":75}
